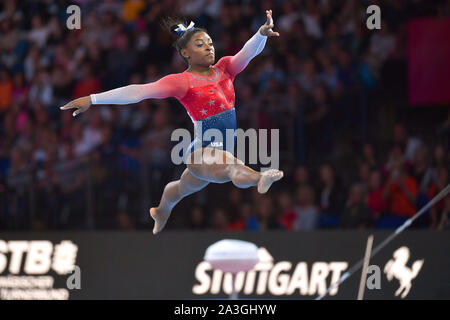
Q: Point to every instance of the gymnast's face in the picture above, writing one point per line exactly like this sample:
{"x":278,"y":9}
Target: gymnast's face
{"x":200,"y":50}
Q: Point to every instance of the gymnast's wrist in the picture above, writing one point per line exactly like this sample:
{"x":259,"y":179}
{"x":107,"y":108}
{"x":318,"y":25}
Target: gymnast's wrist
{"x":93,"y":99}
{"x":260,"y":35}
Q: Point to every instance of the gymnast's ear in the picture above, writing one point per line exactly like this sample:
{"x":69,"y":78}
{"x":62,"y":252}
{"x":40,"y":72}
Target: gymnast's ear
{"x":184,"y":53}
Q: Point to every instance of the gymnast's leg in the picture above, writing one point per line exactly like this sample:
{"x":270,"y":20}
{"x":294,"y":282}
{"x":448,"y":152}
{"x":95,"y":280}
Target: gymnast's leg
{"x":221,"y":166}
{"x":173,"y":193}
{"x":216,"y":166}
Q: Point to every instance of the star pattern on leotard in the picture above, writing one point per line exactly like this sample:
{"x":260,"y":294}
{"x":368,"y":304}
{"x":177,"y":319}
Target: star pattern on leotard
{"x":207,"y":98}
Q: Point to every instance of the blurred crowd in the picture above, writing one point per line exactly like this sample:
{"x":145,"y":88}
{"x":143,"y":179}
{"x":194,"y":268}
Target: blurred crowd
{"x":352,"y":153}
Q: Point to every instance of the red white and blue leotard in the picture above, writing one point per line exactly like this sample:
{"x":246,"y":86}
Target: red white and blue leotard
{"x":209,"y":101}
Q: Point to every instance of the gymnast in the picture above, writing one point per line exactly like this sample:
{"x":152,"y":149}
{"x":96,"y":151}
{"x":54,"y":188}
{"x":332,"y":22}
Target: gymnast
{"x":206,"y":91}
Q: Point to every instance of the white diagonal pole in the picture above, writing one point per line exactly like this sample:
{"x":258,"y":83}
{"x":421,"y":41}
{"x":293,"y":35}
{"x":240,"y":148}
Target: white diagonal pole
{"x":362,"y":283}
{"x":399,"y":230}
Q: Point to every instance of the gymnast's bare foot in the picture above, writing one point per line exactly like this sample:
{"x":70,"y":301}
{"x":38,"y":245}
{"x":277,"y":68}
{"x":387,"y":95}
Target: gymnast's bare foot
{"x":267,"y":178}
{"x":160,"y":218}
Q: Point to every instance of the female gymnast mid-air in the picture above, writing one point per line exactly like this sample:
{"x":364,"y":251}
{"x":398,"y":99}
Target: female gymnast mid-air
{"x":206,"y":91}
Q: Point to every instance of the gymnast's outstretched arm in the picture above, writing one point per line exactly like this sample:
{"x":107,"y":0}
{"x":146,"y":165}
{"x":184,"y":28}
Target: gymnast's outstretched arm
{"x":252,"y":47}
{"x":172,"y":85}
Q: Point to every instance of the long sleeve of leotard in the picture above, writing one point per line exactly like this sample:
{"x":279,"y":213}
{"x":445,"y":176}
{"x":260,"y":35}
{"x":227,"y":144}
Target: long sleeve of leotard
{"x":172,"y":85}
{"x":252,"y":48}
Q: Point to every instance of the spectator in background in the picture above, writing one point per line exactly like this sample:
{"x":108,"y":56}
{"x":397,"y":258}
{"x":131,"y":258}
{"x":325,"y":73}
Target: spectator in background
{"x":219,"y":220}
{"x":6,"y":88}
{"x":369,"y":156}
{"x":7,"y":136}
{"x":63,"y":84}
{"x":396,"y":158}
{"x":245,"y":220}
{"x":3,"y":190}
{"x":87,"y":84}
{"x":307,"y":213}
{"x":318,"y":129}
{"x":301,"y":175}
{"x":356,"y":213}
{"x":311,"y":19}
{"x":445,"y":218}
{"x":286,"y":209}
{"x":308,"y":79}
{"x":364,"y":176}
{"x":33,"y":61}
{"x":108,"y":147}
{"x":65,"y":128}
{"x":157,"y":138}
{"x":233,"y":203}
{"x":423,"y":174}
{"x":332,"y":196}
{"x":441,"y":158}
{"x":71,"y":184}
{"x":382,"y":44}
{"x":289,"y":16}
{"x":131,"y":9}
{"x":439,"y":212}
{"x":408,"y":144}
{"x":20,"y":88}
{"x":295,"y":105}
{"x":10,"y":34}
{"x":80,"y":145}
{"x":42,"y":89}
{"x":248,"y":104}
{"x":92,"y":134}
{"x":328,"y":76}
{"x":125,"y":221}
{"x":39,"y":32}
{"x":375,"y":200}
{"x":119,"y":73}
{"x":18,"y":179}
{"x":270,"y":72}
{"x":401,"y":191}
{"x":265,"y":215}
{"x":197,"y":219}
{"x":420,"y":169}
{"x":99,"y":180}
{"x":346,"y":72}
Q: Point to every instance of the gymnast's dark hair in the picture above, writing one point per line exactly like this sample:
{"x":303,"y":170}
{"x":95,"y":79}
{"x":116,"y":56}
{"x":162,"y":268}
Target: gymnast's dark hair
{"x":170,"y":24}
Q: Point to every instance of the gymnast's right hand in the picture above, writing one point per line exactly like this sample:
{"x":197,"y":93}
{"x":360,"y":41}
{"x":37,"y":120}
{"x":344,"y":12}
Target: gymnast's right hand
{"x":81,"y":104}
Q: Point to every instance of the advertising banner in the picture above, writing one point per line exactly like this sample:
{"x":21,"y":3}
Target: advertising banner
{"x":292,"y":265}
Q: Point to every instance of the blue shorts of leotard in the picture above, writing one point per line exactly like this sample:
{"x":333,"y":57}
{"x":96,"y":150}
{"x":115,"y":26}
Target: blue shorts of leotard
{"x":220,"y":121}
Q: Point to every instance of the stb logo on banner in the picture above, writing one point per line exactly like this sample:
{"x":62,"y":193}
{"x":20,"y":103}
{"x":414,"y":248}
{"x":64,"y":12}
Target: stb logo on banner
{"x":30,"y":270}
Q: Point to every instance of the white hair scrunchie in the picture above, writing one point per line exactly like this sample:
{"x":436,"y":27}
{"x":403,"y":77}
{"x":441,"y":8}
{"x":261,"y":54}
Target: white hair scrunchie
{"x":181,"y":28}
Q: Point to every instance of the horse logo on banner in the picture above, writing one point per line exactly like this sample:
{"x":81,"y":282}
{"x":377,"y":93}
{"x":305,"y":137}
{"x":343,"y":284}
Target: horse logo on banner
{"x":397,"y":268}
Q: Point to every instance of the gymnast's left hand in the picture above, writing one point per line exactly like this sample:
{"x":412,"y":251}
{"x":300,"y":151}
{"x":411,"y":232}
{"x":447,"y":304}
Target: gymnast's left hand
{"x":266,"y":29}
{"x":81,"y":104}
